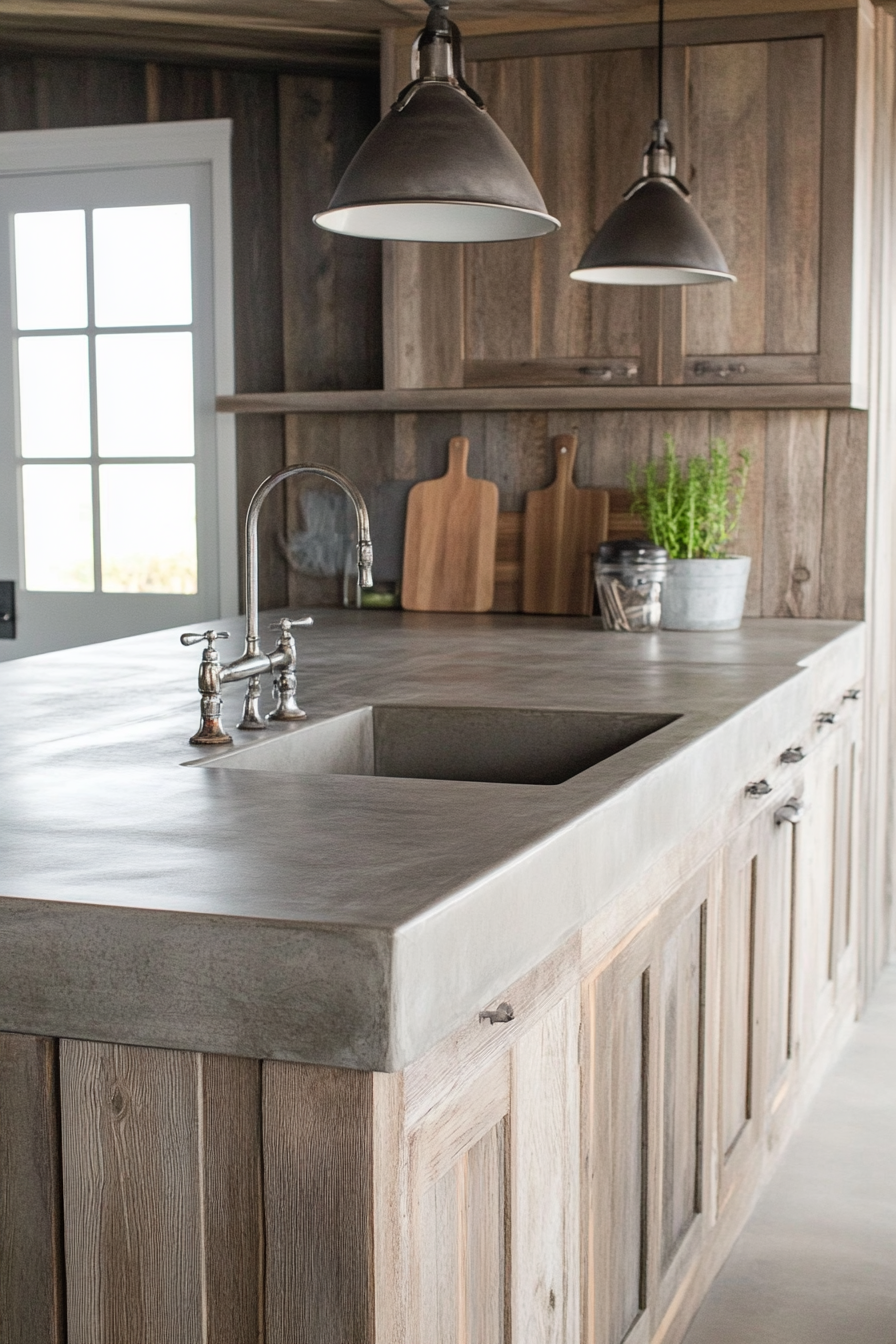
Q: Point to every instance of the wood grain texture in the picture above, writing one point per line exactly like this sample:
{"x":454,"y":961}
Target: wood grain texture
{"x":786,"y":396}
{"x":252,"y":102}
{"x":460,"y":1212}
{"x":838,"y":131}
{"x":617,"y":1143}
{"x":562,"y":529}
{"x":728,"y":105}
{"x":794,"y":493}
{"x":232,"y":1211}
{"x":449,"y":555}
{"x":816,"y":861}
{"x":317,"y":1132}
{"x":745,"y":431}
{"x":842,"y":594}
{"x":545,"y":1235}
{"x":509,"y":563}
{"x":682,"y":971}
{"x":793,"y":240}
{"x":87,"y":92}
{"x":738,"y":936}
{"x":32,"y":1279}
{"x":132,"y":1179}
{"x":332,"y":286}
{"x":502,"y":280}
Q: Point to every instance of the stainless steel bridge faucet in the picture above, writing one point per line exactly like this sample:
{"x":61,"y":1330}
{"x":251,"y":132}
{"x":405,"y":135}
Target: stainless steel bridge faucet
{"x":252,"y":663}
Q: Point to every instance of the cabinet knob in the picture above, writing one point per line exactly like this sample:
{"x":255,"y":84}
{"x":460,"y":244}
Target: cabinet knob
{"x":790,"y":812}
{"x":827,"y":717}
{"x":852,"y":694}
{"x":758,"y":789}
{"x":503,"y":1013}
{"x":792,"y":755}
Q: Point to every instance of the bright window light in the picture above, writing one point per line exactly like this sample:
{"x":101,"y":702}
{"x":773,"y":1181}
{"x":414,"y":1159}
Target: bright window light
{"x":142,"y":270}
{"x":50,"y":270}
{"x":58,"y":508}
{"x":145,"y":394}
{"x":148,"y":528}
{"x":54,"y":396}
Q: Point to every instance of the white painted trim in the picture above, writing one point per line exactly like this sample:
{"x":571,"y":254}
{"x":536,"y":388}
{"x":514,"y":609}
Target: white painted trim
{"x":165,"y":143}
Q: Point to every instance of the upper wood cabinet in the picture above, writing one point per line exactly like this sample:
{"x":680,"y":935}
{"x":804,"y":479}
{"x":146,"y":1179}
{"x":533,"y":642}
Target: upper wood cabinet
{"x":766,"y":114}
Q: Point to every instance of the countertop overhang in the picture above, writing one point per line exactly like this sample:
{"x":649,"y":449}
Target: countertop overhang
{"x":343,"y":919}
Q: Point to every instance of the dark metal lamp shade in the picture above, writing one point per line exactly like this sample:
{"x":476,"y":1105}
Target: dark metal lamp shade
{"x":437,"y":168}
{"x":655,"y":236}
{"x":440,"y":170}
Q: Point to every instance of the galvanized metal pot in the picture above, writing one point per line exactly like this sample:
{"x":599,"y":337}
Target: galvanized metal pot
{"x":705,"y":594}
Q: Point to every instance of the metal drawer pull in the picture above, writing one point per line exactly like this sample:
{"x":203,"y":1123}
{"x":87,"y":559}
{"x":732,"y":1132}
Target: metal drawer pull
{"x":792,"y":755}
{"x":853,"y":694}
{"x":791,"y":811}
{"x":827,"y":717}
{"x":503,"y":1013}
{"x":759,"y":789}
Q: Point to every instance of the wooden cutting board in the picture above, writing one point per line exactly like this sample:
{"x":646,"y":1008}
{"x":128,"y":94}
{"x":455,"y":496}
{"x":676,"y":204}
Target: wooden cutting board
{"x":562,"y":529}
{"x":449,"y":540}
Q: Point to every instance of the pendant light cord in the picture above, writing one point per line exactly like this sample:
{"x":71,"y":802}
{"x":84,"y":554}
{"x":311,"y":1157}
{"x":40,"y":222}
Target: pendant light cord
{"x":659,"y":63}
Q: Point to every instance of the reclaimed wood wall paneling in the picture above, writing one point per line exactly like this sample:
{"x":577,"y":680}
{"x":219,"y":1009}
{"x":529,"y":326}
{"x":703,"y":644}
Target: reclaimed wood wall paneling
{"x":32,"y":1277}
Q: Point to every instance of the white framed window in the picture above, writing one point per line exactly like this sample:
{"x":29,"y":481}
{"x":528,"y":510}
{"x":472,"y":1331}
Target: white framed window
{"x":117,"y":478}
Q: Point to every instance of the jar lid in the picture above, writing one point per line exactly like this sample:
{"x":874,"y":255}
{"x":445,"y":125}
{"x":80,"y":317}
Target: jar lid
{"x":636,"y":549}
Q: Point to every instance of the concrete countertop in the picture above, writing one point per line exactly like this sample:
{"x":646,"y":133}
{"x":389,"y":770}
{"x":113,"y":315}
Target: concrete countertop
{"x":345,"y":919}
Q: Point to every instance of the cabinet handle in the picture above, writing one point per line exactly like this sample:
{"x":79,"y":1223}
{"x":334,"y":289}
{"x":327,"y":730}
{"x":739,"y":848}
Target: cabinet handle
{"x":503,"y":1013}
{"x":704,"y":370}
{"x":853,"y":694}
{"x":827,"y":717}
{"x":792,"y":755}
{"x":759,"y":789}
{"x":790,"y":812}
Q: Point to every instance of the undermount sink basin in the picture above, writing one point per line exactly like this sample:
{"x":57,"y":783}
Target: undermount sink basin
{"x":479,"y":745}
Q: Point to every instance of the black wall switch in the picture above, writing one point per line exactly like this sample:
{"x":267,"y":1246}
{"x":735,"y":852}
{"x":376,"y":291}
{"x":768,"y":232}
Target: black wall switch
{"x":7,"y":609}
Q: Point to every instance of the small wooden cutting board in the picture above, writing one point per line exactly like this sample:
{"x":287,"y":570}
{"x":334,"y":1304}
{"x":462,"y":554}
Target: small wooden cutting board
{"x":562,"y":529}
{"x":449,"y":540}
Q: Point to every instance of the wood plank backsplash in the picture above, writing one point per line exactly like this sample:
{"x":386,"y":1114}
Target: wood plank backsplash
{"x":804,"y":514}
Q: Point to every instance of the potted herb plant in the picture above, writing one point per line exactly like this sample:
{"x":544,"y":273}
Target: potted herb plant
{"x":693,"y":508}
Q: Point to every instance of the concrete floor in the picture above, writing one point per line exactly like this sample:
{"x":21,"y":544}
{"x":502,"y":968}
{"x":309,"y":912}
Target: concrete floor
{"x":816,"y":1263}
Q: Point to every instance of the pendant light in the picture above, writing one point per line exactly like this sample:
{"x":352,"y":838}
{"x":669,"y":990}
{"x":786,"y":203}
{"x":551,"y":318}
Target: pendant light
{"x":437,"y":168}
{"x":655,"y":237}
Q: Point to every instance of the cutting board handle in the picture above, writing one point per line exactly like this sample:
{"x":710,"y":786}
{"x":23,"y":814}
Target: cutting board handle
{"x":458,"y":452}
{"x":565,"y":448}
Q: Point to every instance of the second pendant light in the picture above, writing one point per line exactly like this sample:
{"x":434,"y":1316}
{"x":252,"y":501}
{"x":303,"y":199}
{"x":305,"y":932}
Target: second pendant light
{"x":655,"y":236}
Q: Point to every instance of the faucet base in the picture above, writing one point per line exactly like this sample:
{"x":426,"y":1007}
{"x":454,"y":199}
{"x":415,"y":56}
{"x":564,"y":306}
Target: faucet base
{"x":210,"y":732}
{"x":287,"y":710}
{"x":252,"y":720}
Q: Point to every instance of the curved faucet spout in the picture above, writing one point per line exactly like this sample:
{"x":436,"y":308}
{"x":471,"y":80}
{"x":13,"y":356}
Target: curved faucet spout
{"x":365,"y":550}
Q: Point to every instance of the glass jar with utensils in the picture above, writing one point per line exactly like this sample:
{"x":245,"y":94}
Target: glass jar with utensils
{"x":629,"y":578}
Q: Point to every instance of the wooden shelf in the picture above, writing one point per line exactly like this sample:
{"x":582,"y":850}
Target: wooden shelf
{"x":799,"y":396}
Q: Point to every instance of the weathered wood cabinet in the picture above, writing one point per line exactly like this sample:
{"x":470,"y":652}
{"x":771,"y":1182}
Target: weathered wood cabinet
{"x":577,"y":1173}
{"x":770,"y":116}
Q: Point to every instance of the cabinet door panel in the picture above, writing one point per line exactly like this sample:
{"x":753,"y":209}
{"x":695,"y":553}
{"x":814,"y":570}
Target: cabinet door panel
{"x":545,"y":1176}
{"x":727,"y":131}
{"x":459,"y":1212}
{"x":461,"y":1238}
{"x":778,"y":950}
{"x":738,"y":940}
{"x":755,"y":132}
{"x":816,"y":873}
{"x":682,"y":989}
{"x":616,"y":1143}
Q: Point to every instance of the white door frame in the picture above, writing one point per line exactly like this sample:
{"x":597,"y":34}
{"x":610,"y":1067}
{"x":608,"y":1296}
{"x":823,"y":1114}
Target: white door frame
{"x":165,"y":144}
